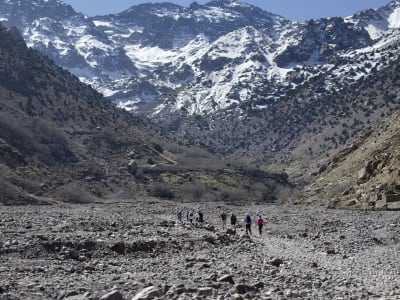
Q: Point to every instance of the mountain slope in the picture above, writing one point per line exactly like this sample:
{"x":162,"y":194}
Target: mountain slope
{"x":57,"y":134}
{"x":60,"y":140}
{"x":237,"y":80}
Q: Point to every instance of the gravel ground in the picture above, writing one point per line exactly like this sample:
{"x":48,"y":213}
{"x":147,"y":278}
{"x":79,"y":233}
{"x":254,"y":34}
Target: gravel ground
{"x":129,"y":250}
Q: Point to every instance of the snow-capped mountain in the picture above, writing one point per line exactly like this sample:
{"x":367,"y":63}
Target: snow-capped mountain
{"x":70,"y":39}
{"x":199,"y":70}
{"x":201,"y":59}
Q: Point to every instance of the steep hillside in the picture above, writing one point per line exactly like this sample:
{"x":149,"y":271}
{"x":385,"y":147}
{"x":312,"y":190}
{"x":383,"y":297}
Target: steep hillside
{"x":59,"y":137}
{"x":62,"y":141}
{"x":366,"y":174}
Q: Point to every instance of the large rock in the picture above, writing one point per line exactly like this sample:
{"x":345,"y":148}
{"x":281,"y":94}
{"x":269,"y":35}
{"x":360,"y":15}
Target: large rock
{"x":362,"y":175}
{"x":226,"y":278}
{"x":390,"y":201}
{"x":244,"y":289}
{"x":148,"y":293}
{"x":132,"y":167}
{"x":114,"y":295}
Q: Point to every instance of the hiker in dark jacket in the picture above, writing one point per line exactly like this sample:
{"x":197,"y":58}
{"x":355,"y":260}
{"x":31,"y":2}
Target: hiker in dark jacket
{"x":233,"y":222}
{"x":180,"y":216}
{"x":201,"y":217}
{"x":223,"y":219}
{"x":247,"y":222}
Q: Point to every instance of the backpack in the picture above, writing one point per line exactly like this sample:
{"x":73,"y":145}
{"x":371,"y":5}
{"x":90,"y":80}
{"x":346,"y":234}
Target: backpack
{"x":248,"y":219}
{"x":233,"y":219}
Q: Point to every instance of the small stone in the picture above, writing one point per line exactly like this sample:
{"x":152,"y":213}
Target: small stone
{"x":205,"y":292}
{"x":276,"y":262}
{"x":259,"y":285}
{"x":237,"y":297}
{"x":226,"y":278}
{"x":331,"y":251}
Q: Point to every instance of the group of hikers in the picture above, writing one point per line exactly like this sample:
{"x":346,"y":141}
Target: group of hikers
{"x":247,"y":221}
{"x":196,"y":218}
{"x":191,"y":216}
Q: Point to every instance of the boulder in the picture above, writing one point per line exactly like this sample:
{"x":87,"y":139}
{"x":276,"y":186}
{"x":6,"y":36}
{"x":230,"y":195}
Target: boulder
{"x":132,"y":167}
{"x":148,"y":293}
{"x":114,"y":295}
{"x":242,"y":289}
{"x":351,"y":202}
{"x":276,"y":262}
{"x":362,"y":175}
{"x":226,"y":278}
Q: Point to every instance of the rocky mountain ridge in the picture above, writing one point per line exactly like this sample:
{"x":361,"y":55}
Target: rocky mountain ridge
{"x":206,"y":57}
{"x":240,"y":81}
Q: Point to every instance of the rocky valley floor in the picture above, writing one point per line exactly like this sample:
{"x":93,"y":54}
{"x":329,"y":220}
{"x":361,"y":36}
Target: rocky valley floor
{"x":137,"y":250}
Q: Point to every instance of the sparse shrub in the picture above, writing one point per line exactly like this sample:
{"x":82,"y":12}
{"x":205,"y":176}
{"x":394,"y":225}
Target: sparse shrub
{"x":161,"y":190}
{"x":8,"y":192}
{"x":233,"y":195}
{"x":158,"y":148}
{"x":74,"y":193}
{"x":194,"y":191}
{"x":29,"y":184}
{"x":14,"y":132}
{"x":53,"y":140}
{"x":139,"y":174}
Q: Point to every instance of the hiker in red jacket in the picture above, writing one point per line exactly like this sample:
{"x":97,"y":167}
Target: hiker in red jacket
{"x":260,"y":223}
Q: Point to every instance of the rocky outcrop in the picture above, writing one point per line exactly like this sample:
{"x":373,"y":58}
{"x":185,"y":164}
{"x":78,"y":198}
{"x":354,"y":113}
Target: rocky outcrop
{"x":321,"y":39}
{"x":365,"y":175}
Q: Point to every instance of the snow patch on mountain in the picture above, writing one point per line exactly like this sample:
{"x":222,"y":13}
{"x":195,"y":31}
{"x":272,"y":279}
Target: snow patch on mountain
{"x":149,"y":58}
{"x":215,"y":14}
{"x":394,"y":19}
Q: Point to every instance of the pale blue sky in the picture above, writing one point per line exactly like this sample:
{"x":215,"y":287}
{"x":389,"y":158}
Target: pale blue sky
{"x":291,"y":9}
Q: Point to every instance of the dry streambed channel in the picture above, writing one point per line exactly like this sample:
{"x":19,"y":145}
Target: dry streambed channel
{"x":138,"y":250}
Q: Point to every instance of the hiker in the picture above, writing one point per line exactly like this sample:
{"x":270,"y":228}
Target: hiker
{"x":247,"y":222}
{"x":201,"y":217}
{"x":223,"y":219}
{"x":233,"y":222}
{"x":180,"y":216}
{"x":190,"y":216}
{"x":260,"y":223}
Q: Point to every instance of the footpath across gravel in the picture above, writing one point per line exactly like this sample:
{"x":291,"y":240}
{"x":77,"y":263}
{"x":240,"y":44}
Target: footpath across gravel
{"x":137,"y":250}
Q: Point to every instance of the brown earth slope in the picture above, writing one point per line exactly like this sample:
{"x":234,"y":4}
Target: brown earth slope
{"x":365,"y":175}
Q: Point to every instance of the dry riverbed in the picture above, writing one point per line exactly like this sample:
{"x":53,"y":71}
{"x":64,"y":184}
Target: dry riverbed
{"x":137,"y":250}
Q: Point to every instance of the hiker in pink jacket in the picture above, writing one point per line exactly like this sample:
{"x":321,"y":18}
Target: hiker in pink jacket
{"x":260,"y":223}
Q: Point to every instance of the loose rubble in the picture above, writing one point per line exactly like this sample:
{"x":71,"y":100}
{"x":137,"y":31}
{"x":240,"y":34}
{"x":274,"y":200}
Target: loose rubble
{"x":138,"y":250}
